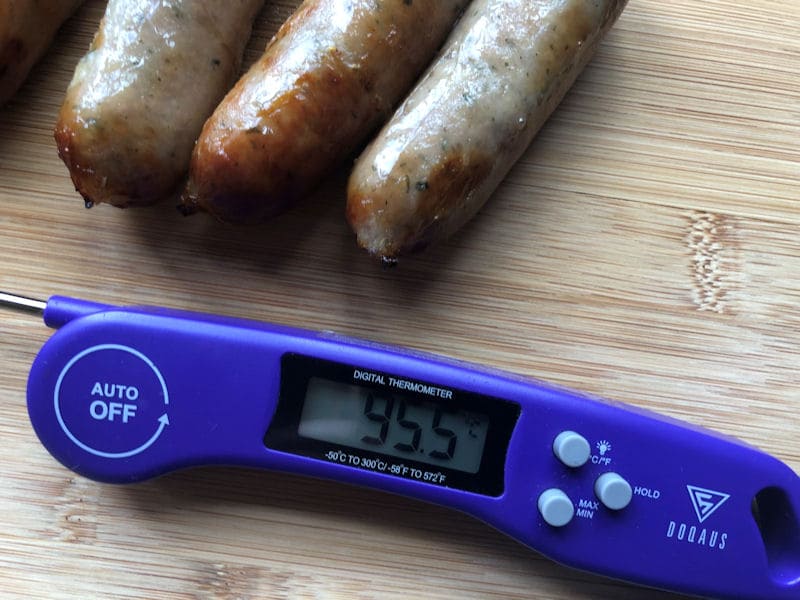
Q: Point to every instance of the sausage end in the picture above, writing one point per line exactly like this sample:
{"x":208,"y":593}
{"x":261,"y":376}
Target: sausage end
{"x":400,"y":214}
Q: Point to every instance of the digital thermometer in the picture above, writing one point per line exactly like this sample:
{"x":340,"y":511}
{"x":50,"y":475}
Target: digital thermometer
{"x":125,"y":394}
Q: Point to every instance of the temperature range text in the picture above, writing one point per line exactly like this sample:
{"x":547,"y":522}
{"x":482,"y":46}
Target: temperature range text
{"x":383,"y":466}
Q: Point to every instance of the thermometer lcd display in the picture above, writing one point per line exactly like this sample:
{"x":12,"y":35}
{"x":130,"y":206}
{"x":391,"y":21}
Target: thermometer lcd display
{"x":390,"y":424}
{"x":395,"y":424}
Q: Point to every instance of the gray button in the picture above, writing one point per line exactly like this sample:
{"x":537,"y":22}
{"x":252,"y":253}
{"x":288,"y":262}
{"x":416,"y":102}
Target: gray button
{"x":572,"y":449}
{"x":613,"y":491}
{"x":555,"y":507}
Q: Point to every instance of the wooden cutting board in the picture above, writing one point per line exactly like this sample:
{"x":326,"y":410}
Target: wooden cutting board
{"x":646,"y":248}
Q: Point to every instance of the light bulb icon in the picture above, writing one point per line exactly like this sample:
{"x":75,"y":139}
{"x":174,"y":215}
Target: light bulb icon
{"x":603,"y":447}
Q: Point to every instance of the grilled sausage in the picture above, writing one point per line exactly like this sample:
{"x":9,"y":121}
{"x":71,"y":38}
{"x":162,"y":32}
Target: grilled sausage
{"x":331,"y":75}
{"x":501,"y":73}
{"x":138,"y":99}
{"x":27,"y":28}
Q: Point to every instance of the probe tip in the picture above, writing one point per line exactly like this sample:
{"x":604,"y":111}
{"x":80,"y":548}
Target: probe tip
{"x":22,"y":303}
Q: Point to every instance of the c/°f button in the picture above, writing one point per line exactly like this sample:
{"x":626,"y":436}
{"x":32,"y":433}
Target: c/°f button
{"x":555,"y":507}
{"x":613,"y":491}
{"x":572,"y":449}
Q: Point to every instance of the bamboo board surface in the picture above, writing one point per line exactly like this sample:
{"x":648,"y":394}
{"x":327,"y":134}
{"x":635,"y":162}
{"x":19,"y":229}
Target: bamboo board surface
{"x":646,"y":249}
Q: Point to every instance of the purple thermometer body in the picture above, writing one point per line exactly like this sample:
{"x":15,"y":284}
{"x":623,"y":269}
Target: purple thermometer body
{"x":125,"y":394}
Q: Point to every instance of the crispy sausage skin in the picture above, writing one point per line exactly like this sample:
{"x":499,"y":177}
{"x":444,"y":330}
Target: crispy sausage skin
{"x":331,"y":75}
{"x":137,"y":102}
{"x":27,"y":28}
{"x":501,"y":73}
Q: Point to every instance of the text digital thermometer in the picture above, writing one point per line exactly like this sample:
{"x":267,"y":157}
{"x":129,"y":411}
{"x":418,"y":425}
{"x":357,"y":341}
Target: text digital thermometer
{"x":125,"y":394}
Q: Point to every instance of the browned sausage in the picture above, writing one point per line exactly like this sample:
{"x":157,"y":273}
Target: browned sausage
{"x":27,"y":28}
{"x":502,"y":72}
{"x":139,"y":98}
{"x":332,"y":74}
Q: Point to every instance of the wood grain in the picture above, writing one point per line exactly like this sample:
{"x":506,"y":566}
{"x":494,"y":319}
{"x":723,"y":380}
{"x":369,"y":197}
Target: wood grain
{"x":645,"y":249}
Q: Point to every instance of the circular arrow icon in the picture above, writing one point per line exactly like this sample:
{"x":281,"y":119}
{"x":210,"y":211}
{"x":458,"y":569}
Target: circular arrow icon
{"x":106,"y":400}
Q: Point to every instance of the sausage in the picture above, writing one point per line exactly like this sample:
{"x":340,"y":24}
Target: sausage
{"x":138,"y":99}
{"x":332,"y":74}
{"x":500,"y":75}
{"x":27,"y":28}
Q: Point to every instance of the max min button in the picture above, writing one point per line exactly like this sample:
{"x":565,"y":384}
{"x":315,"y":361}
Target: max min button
{"x":555,"y":507}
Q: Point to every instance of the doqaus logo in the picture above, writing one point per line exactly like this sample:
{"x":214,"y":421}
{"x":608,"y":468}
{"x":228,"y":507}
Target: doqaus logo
{"x":705,"y":503}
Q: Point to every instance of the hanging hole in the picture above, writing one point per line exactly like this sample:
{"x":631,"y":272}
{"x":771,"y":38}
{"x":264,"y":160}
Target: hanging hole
{"x":780,"y":532}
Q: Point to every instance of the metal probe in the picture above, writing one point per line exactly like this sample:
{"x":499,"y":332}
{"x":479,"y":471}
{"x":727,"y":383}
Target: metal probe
{"x":23,"y":304}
